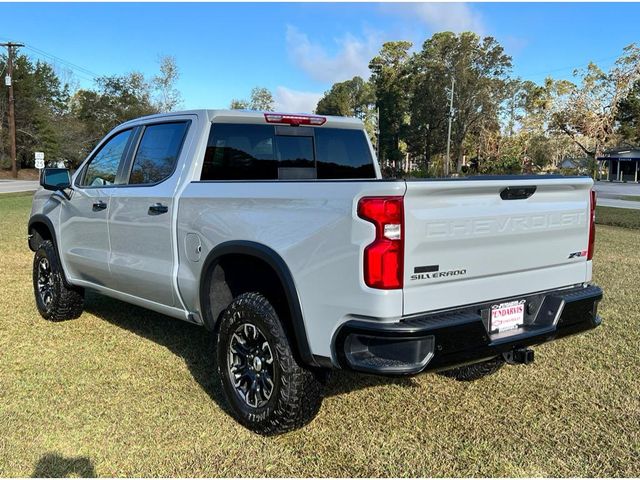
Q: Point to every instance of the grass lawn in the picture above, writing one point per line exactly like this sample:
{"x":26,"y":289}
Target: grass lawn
{"x":125,"y":392}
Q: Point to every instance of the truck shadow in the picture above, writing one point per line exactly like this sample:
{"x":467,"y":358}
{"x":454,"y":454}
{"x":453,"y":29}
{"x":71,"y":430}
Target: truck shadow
{"x":54,"y":465}
{"x":196,"y":347}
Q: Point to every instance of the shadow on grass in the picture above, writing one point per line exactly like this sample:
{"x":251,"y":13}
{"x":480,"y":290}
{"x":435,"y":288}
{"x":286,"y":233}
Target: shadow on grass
{"x":192,"y":343}
{"x":344,"y":382}
{"x":53,"y":465}
{"x":195,"y":345}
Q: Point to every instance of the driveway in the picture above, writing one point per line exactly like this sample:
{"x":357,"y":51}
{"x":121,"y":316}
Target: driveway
{"x":10,"y":186}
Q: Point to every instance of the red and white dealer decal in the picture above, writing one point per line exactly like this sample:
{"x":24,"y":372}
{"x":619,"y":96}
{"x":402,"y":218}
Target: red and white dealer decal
{"x":507,"y":316}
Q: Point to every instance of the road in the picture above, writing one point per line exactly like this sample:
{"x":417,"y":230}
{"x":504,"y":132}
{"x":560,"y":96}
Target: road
{"x":10,"y":186}
{"x":606,"y":189}
{"x":609,"y":193}
{"x":613,"y":202}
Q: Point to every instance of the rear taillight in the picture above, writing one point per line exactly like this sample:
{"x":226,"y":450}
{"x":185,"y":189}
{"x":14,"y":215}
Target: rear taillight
{"x":592,"y":225}
{"x":294,"y":119}
{"x":384,"y":258}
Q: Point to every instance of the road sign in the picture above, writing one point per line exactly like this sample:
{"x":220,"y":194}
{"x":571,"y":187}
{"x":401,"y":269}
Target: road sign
{"x":39,"y":160}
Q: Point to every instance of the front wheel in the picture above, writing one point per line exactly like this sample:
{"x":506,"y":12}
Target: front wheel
{"x":269,"y":392}
{"x":54,"y":298}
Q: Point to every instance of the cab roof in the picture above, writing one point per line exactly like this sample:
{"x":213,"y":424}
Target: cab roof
{"x":253,"y":117}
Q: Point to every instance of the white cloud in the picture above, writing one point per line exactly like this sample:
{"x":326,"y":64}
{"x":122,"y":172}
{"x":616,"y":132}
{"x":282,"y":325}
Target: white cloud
{"x":351,"y":59}
{"x":455,"y":17}
{"x":295,"y":101}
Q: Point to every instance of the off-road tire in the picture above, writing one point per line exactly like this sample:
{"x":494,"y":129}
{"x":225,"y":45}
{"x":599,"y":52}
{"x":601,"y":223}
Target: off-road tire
{"x":297,"y":392}
{"x":64,"y":301}
{"x":469,"y":373}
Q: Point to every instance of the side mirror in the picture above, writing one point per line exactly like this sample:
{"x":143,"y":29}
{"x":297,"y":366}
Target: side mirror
{"x":55,"y":179}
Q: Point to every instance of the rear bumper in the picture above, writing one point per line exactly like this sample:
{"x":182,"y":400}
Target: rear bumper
{"x":444,"y":340}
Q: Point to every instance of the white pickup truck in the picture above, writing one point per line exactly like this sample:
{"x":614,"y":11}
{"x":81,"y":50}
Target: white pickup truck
{"x":278,"y":233}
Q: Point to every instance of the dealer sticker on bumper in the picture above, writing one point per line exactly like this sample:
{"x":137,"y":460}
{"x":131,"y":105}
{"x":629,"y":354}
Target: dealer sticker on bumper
{"x":507,"y":316}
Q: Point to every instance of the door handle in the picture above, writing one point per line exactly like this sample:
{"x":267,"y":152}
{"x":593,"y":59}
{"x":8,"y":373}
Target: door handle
{"x":99,"y":205}
{"x":157,"y":209}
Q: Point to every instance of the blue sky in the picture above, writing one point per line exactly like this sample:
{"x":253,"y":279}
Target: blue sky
{"x":298,"y":50}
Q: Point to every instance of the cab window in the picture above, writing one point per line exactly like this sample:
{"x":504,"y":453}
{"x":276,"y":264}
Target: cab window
{"x":103,"y":167}
{"x":158,"y":153}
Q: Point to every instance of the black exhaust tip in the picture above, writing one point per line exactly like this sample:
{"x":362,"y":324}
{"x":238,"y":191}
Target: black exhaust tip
{"x":521,"y":356}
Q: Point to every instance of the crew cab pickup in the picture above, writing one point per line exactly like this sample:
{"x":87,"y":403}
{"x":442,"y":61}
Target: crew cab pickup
{"x":278,"y":233}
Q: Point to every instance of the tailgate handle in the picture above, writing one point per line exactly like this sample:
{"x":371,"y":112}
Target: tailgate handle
{"x":517,"y":193}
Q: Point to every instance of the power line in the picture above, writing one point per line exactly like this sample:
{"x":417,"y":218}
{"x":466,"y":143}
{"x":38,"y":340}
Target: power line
{"x":529,"y":74}
{"x":82,"y":72}
{"x":73,"y":66}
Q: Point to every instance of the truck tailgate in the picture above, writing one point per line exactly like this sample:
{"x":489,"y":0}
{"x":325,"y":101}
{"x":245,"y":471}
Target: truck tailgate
{"x":466,"y":244}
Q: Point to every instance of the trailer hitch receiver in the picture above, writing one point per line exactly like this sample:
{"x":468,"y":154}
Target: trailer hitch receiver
{"x":522,"y":356}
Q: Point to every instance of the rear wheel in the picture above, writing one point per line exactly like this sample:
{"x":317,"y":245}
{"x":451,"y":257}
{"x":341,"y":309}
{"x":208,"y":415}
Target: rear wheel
{"x":269,"y":392}
{"x":55,"y":299}
{"x":469,"y":373}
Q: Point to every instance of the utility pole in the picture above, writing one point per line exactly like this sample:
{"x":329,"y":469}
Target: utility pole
{"x":446,"y":165}
{"x":12,"y":117}
{"x":378,"y":133}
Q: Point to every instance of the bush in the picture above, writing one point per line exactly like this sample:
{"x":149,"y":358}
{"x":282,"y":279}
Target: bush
{"x":618,"y":217}
{"x":5,"y":162}
{"x":502,"y":166}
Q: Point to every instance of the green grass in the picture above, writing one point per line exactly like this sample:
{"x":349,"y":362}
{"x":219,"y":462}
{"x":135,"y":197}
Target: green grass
{"x":126,"y":392}
{"x":618,"y":217}
{"x":631,"y":198}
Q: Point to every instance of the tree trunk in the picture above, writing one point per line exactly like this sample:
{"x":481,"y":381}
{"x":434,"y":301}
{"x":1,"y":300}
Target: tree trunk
{"x":597,"y":152}
{"x":427,"y":154}
{"x":460,"y":159}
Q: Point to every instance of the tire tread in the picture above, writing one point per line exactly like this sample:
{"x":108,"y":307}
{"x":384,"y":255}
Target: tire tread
{"x":300,"y":392}
{"x":68,"y":301}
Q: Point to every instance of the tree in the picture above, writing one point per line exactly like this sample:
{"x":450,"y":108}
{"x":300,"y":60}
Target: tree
{"x":587,"y":113}
{"x":426,"y":133}
{"x":480,"y":69}
{"x":40,"y":104}
{"x":389,"y":78}
{"x":628,"y":117}
{"x":526,"y":113}
{"x":67,"y":126}
{"x":116,"y":100}
{"x":165,"y":84}
{"x":239,"y":104}
{"x":351,"y":98}
{"x":261,"y":100}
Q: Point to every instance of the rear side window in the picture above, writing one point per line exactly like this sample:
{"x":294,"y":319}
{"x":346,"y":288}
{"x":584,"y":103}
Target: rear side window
{"x":267,"y":152}
{"x":157,"y":153}
{"x":240,"y":152}
{"x":103,"y":167}
{"x":342,"y":153}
